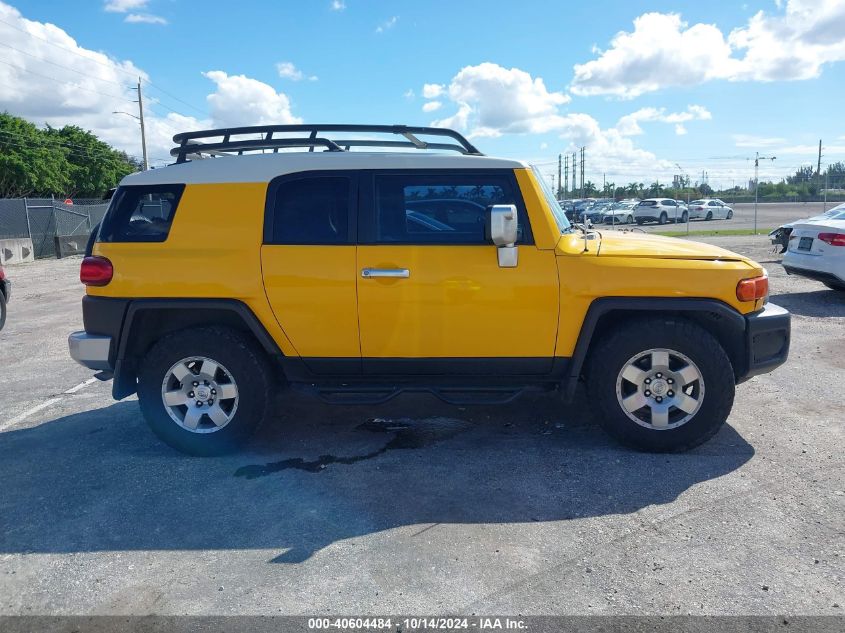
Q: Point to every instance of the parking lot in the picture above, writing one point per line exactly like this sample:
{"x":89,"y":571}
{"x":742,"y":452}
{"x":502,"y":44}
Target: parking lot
{"x":416,"y":506}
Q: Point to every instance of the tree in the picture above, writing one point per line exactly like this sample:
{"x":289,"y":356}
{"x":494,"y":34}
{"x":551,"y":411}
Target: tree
{"x":64,"y":162}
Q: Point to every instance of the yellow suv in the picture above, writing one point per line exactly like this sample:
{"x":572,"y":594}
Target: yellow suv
{"x":240,"y":270}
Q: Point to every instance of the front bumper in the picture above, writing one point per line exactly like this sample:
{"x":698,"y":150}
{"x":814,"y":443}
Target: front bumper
{"x":90,"y":350}
{"x":767,"y":336}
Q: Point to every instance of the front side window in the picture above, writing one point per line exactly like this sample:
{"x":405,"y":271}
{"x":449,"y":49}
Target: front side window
{"x":310,"y":210}
{"x":140,"y":213}
{"x":447,"y":209}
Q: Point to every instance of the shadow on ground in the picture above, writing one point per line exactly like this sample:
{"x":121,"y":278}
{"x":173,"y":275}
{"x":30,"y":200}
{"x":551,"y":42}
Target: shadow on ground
{"x":99,"y":480}
{"x":819,"y":303}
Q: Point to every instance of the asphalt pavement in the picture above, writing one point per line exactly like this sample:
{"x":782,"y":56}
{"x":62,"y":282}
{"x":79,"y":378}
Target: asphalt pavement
{"x":417,"y":507}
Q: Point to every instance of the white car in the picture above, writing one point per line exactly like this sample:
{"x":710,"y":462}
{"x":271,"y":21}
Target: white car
{"x":620,"y":212}
{"x":660,"y":210}
{"x":709,"y":209}
{"x":817,"y":251}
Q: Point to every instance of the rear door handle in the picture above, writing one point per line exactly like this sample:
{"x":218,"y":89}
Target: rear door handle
{"x":396,"y":273}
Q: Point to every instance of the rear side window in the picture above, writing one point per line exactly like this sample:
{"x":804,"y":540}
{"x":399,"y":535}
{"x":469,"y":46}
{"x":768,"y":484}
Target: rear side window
{"x":447,"y":209}
{"x":141,"y":213}
{"x":309,"y":210}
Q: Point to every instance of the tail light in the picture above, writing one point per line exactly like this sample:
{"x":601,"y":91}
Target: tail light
{"x":834,"y":239}
{"x":753,"y":289}
{"x":96,"y":271}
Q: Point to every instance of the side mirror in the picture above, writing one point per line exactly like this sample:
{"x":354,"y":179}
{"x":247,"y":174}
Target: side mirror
{"x":502,"y":230}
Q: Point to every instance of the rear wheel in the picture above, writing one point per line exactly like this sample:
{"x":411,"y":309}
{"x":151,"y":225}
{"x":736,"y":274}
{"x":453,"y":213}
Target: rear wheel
{"x":709,"y":215}
{"x":204,"y":391}
{"x":629,"y":219}
{"x":661,"y":385}
{"x":684,"y":217}
{"x":663,"y":218}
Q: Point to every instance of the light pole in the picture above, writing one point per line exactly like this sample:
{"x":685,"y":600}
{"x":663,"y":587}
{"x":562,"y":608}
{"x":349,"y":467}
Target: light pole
{"x":757,"y":158}
{"x":143,"y":136}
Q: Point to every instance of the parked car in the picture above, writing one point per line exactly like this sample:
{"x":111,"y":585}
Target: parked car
{"x":5,"y":295}
{"x":660,"y":210}
{"x":215,"y":285}
{"x":817,"y":251}
{"x":709,"y":209}
{"x":619,"y":213}
{"x":594,"y":212}
{"x":780,"y":235}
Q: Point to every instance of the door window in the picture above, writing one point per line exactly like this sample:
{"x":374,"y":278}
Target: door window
{"x":447,"y":209}
{"x":309,"y":210}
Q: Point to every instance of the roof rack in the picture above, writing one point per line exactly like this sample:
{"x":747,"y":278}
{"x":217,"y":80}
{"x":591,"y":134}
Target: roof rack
{"x":190,"y":143}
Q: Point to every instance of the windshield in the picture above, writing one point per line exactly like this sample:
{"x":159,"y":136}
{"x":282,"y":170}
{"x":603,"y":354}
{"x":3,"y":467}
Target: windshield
{"x":548,"y":194}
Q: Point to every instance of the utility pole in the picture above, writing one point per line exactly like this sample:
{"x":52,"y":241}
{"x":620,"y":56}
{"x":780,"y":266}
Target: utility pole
{"x":574,"y":174}
{"x":559,"y":158}
{"x":757,"y":158}
{"x":566,"y":177}
{"x":819,"y":171}
{"x":143,"y":131}
{"x":582,"y":170}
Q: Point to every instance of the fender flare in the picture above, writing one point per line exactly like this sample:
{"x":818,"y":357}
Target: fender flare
{"x":729,"y":319}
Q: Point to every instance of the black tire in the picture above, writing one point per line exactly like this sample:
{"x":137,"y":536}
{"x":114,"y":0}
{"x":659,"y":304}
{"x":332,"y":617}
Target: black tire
{"x":2,"y":310}
{"x":610,"y":356}
{"x":640,"y":221}
{"x":709,"y":215}
{"x":729,"y":215}
{"x":830,"y":284}
{"x":241,"y":357}
{"x":684,"y":217}
{"x":663,"y":218}
{"x":629,"y":219}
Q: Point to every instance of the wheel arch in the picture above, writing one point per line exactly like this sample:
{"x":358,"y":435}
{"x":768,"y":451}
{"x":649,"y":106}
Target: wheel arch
{"x":147,"y":320}
{"x":721,"y":320}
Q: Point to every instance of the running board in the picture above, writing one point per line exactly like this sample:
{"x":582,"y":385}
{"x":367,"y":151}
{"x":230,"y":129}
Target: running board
{"x":352,"y":394}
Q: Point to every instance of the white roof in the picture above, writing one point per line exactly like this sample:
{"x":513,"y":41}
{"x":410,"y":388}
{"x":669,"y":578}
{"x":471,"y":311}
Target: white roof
{"x":265,"y":167}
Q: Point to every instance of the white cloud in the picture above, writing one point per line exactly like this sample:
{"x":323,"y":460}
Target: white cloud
{"x":629,"y":125}
{"x":338,"y":5}
{"x":388,"y":24}
{"x":60,"y":83}
{"x":748,"y":140}
{"x":431,"y":106}
{"x":241,"y":100}
{"x":409,"y":94}
{"x":680,"y":130}
{"x":493,"y":100}
{"x":287,"y":70}
{"x":123,"y":6}
{"x":144,"y":18}
{"x":663,"y":51}
{"x":432,"y":91}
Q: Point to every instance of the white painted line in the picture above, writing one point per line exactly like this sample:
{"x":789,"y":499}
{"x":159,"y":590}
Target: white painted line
{"x":81,"y":385}
{"x":23,"y":416}
{"x":28,"y":413}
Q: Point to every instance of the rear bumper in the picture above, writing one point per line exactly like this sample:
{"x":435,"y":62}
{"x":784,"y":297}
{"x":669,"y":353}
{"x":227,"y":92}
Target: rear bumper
{"x":91,"y":350}
{"x":817,"y":275}
{"x":767,"y":337}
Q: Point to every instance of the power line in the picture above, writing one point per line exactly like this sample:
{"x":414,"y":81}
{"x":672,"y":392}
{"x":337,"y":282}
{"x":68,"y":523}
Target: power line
{"x":32,"y":72}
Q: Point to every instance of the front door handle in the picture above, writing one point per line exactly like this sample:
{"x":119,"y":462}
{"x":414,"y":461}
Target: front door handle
{"x":396,"y":273}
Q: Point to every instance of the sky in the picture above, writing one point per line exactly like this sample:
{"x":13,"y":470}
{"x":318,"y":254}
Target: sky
{"x":650,"y":89}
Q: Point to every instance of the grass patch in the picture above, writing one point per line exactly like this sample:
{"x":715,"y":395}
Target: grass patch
{"x":713,"y":233}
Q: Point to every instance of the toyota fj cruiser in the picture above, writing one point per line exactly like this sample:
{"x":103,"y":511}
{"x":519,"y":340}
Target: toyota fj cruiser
{"x":241,"y":269}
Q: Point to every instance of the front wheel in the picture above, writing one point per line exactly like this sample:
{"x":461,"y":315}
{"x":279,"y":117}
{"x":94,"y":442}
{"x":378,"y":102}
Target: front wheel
{"x":629,"y":219}
{"x":684,"y":217}
{"x":204,"y":391}
{"x":660,"y":385}
{"x":2,"y":310}
{"x":640,"y":221}
{"x":729,"y":215}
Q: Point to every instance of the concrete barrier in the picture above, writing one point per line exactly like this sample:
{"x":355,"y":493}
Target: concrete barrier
{"x":71,"y":245}
{"x":16,"y":251}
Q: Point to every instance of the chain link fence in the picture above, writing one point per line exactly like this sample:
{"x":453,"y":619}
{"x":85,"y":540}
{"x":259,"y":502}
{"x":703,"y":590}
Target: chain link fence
{"x":44,"y":219}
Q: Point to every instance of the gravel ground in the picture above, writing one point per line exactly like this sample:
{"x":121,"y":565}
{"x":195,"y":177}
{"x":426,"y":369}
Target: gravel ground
{"x":416,"y":506}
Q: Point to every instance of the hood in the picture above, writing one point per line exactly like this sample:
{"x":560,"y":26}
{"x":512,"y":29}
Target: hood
{"x":636,"y":244}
